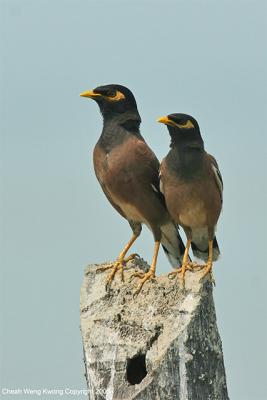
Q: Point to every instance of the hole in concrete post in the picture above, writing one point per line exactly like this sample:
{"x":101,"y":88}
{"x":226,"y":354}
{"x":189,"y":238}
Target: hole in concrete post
{"x":136,"y":369}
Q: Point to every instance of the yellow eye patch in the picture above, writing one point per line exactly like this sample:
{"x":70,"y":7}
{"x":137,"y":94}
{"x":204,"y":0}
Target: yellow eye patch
{"x":188,"y":125}
{"x":115,"y":97}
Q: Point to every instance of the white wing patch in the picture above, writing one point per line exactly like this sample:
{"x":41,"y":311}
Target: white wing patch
{"x":160,"y":183}
{"x":154,"y":188}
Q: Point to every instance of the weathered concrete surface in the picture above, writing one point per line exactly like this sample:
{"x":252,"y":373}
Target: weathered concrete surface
{"x":160,"y":345}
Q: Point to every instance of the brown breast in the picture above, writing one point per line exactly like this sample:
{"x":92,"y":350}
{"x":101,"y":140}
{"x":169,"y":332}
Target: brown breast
{"x":195,"y":203}
{"x":126,"y":174}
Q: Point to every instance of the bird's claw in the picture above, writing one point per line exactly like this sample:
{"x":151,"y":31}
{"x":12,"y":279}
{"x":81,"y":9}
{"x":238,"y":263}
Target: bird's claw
{"x":193,"y":265}
{"x":116,"y":266}
{"x":144,"y":276}
{"x":190,"y":266}
{"x":175,"y":274}
{"x":208,"y":271}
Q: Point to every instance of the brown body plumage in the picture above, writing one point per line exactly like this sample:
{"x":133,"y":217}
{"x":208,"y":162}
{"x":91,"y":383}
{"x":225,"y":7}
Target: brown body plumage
{"x":127,"y":171}
{"x":192,"y":185}
{"x":193,"y":204}
{"x":127,"y":181}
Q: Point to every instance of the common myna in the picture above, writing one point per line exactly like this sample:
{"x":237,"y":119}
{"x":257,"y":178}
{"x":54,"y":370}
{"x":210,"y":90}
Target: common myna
{"x":127,"y":171}
{"x":192,"y":185}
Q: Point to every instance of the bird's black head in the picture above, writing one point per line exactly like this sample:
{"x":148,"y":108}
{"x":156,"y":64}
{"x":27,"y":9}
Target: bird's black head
{"x":183,"y":128}
{"x":113,"y":100}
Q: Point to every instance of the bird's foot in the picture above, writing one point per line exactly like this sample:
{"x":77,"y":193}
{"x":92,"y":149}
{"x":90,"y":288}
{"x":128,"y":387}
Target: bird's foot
{"x":189,"y":266}
{"x":144,"y":276}
{"x":116,"y":266}
{"x":208,"y":271}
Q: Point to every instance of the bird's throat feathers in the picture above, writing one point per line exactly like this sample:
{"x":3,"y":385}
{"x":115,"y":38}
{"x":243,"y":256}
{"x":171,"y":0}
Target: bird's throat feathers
{"x":185,"y":140}
{"x":186,"y":160}
{"x":119,"y":127}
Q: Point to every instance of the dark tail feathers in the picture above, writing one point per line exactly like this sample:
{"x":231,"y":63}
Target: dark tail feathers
{"x":172,"y":244}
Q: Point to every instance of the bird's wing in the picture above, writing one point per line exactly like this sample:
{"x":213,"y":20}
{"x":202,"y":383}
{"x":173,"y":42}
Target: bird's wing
{"x":150,"y":167}
{"x":101,"y":167}
{"x":108,"y":196}
{"x":217,"y":175}
{"x":161,"y":188}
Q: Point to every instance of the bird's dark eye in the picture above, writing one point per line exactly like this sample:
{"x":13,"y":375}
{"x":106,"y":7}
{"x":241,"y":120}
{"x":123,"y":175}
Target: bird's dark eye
{"x":182,"y":122}
{"x":111,"y":93}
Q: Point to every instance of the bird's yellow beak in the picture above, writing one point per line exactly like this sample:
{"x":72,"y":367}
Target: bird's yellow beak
{"x":90,"y":94}
{"x":165,"y":120}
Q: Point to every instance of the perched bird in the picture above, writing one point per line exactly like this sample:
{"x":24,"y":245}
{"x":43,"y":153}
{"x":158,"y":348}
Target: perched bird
{"x":127,"y":171}
{"x":192,"y":185}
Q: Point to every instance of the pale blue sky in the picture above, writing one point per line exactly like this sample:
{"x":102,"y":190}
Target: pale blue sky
{"x":204,"y":58}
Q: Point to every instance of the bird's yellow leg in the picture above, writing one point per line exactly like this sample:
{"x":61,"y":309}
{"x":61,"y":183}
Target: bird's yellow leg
{"x":120,"y":262}
{"x":145,"y":276}
{"x":186,"y":265}
{"x":185,"y":262}
{"x":208,"y":267}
